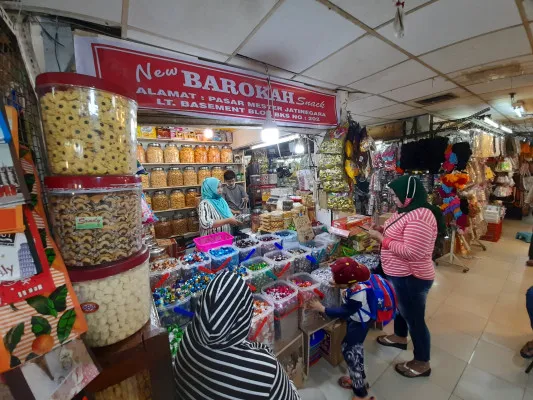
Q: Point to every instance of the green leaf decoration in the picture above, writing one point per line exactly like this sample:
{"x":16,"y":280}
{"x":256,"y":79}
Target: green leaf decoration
{"x":31,"y":356}
{"x":50,"y":255}
{"x":59,"y":298}
{"x":14,"y":362}
{"x":34,"y":198}
{"x":64,"y":325}
{"x":13,"y":336}
{"x":40,"y":326}
{"x":43,"y":305}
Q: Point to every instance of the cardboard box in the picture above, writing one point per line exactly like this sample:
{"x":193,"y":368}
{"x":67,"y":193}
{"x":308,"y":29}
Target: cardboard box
{"x":331,"y":345}
{"x":351,"y":223}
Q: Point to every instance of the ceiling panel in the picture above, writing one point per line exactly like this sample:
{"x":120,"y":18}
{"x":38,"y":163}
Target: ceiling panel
{"x":407,"y":114}
{"x":290,"y":39}
{"x":400,"y":75}
{"x":376,"y":12}
{"x":502,"y":84}
{"x":466,"y":101}
{"x":109,"y":10}
{"x":369,"y":104}
{"x":420,"y":89}
{"x":446,"y":22}
{"x":522,"y":65}
{"x":461,"y":112}
{"x":173,"y":45}
{"x":521,"y":93}
{"x":500,"y":45}
{"x":386,"y":111}
{"x":314,"y":82}
{"x":201,"y":22}
{"x":357,"y":96}
{"x":248,"y":63}
{"x":359,"y":60}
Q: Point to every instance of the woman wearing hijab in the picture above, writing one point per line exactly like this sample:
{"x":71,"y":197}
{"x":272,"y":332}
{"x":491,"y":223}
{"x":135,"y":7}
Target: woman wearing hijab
{"x":216,"y":361}
{"x":214,"y":213}
{"x":407,"y":244}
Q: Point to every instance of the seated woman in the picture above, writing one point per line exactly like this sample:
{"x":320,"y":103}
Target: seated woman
{"x":215,"y":360}
{"x":214,"y":213}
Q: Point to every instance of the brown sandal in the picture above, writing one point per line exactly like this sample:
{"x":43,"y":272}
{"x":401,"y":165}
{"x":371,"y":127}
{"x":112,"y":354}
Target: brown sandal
{"x":404,"y":370}
{"x":384,"y":341}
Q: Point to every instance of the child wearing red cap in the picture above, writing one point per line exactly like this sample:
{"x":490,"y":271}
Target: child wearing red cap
{"x":351,"y":276}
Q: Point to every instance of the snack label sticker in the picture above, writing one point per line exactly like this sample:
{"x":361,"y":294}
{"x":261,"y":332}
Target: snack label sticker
{"x":89,"y":222}
{"x":89,"y":307}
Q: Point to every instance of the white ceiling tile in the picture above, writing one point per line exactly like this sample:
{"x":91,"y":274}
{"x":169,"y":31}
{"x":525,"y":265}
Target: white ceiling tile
{"x":248,"y":63}
{"x":461,"y":112}
{"x":500,"y":45}
{"x":467,"y":101}
{"x":359,"y":60}
{"x":375,"y":121}
{"x":420,"y":89}
{"x":201,"y":22}
{"x":376,"y":12}
{"x":357,"y":96}
{"x":290,"y":38}
{"x":175,"y":46}
{"x":528,"y":6}
{"x":369,"y":104}
{"x":406,"y":114}
{"x":400,"y":75}
{"x":446,"y":22}
{"x":522,"y":93}
{"x":502,"y":84}
{"x":387,"y":111}
{"x":109,"y":10}
{"x":314,"y":82}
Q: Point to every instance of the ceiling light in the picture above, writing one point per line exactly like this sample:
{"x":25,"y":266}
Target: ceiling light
{"x":299,"y":148}
{"x":519,"y":110}
{"x":270,"y":131}
{"x":505,"y":129}
{"x":208,"y":133}
{"x":463,"y":131}
{"x":282,"y":140}
{"x":491,"y":122}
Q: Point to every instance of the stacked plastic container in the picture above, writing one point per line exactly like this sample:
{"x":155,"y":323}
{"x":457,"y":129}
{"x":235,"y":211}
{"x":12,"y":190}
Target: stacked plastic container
{"x":164,"y":272}
{"x":269,"y":243}
{"x":289,"y":239}
{"x":228,"y":259}
{"x":248,"y":248}
{"x":282,"y":263}
{"x":308,"y":290}
{"x":317,"y":249}
{"x":324,"y":276}
{"x":262,"y":327}
{"x":193,"y":263}
{"x":259,"y":273}
{"x":303,"y":260}
{"x":95,"y":199}
{"x":331,"y":241}
{"x":285,"y":310}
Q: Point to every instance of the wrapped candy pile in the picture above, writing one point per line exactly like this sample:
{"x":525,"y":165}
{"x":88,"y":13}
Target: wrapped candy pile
{"x":285,"y":299}
{"x":371,"y":261}
{"x":268,"y":243}
{"x":164,"y":272}
{"x":331,"y":294}
{"x":262,"y":327}
{"x":175,"y":334}
{"x":307,"y":291}
{"x":191,"y":262}
{"x":219,"y":255}
{"x":303,"y":261}
{"x":282,"y":262}
{"x":246,"y":246}
{"x":259,"y":272}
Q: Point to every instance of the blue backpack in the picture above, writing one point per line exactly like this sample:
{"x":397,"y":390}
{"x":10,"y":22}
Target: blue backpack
{"x":381,"y":300}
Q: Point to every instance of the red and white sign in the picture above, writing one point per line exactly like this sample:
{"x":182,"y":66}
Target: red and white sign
{"x":185,"y":85}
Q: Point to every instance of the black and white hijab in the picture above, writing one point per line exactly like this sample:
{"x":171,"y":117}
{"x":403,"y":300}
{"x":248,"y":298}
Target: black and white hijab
{"x":216,"y":361}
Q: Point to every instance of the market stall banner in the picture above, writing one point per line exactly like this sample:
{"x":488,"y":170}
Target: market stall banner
{"x":166,"y":81}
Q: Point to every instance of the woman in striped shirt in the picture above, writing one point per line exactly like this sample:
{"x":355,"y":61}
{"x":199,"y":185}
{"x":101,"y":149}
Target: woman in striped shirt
{"x":214,"y":213}
{"x":407,"y":243}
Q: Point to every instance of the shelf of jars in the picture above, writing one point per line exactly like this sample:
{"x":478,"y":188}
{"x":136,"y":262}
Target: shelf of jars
{"x":186,"y":164}
{"x":174,"y":209}
{"x":183,"y":141}
{"x":176,"y":187}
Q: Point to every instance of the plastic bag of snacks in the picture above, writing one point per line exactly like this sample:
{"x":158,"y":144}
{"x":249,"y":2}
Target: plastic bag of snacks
{"x":331,"y":174}
{"x":330,"y":160}
{"x":333,"y":142}
{"x":262,"y":326}
{"x":340,"y":201}
{"x":335,"y":186}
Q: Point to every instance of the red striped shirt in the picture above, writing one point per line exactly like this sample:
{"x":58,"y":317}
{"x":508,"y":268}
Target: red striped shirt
{"x":410,"y":244}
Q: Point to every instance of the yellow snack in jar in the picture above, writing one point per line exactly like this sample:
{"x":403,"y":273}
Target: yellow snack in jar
{"x":175,"y":176}
{"x":186,"y":154}
{"x":203,"y":172}
{"x":190,"y":198}
{"x":226,"y":155}
{"x":171,"y":153}
{"x":214,"y":155}
{"x":190,"y":177}
{"x":154,"y":153}
{"x":200,"y":154}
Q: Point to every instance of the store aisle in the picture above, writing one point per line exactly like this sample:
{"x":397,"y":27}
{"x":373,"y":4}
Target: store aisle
{"x":478,"y":323}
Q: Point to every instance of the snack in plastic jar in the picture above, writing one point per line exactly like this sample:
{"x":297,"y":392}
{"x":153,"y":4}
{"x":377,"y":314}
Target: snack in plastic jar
{"x":203,"y":172}
{"x":193,"y":224}
{"x":190,"y":198}
{"x":172,"y":153}
{"x":145,"y":181}
{"x":177,"y":199}
{"x":226,"y":155}
{"x":96,"y":219}
{"x":262,"y":326}
{"x":190,"y":178}
{"x":213,"y":155}
{"x":141,"y":154}
{"x":115,"y":298}
{"x":186,"y":154}
{"x":160,"y":201}
{"x":175,"y":176}
{"x":200,"y":154}
{"x":179,"y":224}
{"x":154,"y":153}
{"x":158,"y":177}
{"x":340,"y":201}
{"x":218,"y":172}
{"x":89,"y":125}
{"x":163,"y":228}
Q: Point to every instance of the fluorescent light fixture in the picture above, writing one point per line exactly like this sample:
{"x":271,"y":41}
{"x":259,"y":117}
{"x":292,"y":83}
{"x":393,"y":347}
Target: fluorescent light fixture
{"x":208,"y":133}
{"x":270,"y":131}
{"x":463,"y":131}
{"x":519,"y":110}
{"x":491,"y":122}
{"x":505,"y":129}
{"x":299,"y":148}
{"x":281,"y":140}
{"x":378,"y":142}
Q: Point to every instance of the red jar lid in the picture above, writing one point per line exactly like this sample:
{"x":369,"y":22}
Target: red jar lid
{"x":71,"y":182}
{"x":71,"y":78}
{"x":84,"y":274}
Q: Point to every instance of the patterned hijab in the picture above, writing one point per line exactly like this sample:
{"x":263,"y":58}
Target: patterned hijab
{"x":210,"y":193}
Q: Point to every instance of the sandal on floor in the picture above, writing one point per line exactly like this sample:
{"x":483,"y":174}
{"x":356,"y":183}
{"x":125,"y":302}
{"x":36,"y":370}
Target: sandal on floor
{"x":345,"y":382}
{"x":384,"y":341}
{"x":527,"y":350}
{"x":405,"y":370}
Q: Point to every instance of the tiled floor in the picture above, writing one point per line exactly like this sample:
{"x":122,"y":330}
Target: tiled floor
{"x":478,"y":324}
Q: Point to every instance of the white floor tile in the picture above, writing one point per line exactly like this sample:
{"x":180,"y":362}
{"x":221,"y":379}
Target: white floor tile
{"x":506,"y":336}
{"x":528,"y":395}
{"x":479,"y":305}
{"x":456,"y":343}
{"x":476,"y":384}
{"x":448,"y":316}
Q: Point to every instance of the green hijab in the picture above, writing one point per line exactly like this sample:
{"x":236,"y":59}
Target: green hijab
{"x":210,"y":193}
{"x":410,"y":187}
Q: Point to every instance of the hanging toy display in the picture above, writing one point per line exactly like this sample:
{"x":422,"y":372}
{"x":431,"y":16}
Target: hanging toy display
{"x":451,"y":203}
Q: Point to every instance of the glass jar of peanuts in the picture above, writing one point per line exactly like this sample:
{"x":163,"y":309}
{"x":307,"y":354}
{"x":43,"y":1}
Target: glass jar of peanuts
{"x":175,"y":176}
{"x":186,"y":154}
{"x":189,"y":176}
{"x":160,"y":201}
{"x":179,"y":224}
{"x":172,"y":153}
{"x":177,"y":199}
{"x":193,"y":225}
{"x":218,"y":172}
{"x":154,"y":153}
{"x":226,"y":155}
{"x":148,"y":199}
{"x":163,"y":228}
{"x":190,"y":198}
{"x":200,"y":154}
{"x":203,"y":172}
{"x":158,"y":177}
{"x":145,"y":181}
{"x":214,"y":154}
{"x":141,"y":154}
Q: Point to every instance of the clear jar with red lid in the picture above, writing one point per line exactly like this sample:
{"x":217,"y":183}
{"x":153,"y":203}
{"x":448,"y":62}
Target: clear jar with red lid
{"x":213,"y":156}
{"x":200,"y":154}
{"x":226,"y":155}
{"x":175,"y":176}
{"x":96,"y":220}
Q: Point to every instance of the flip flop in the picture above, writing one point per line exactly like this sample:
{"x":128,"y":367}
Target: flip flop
{"x":345,"y":382}
{"x":410,"y":373}
{"x":382,"y":340}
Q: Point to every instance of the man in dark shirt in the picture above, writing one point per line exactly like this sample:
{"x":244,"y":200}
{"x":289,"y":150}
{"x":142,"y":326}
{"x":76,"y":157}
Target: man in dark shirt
{"x":234,"y":194}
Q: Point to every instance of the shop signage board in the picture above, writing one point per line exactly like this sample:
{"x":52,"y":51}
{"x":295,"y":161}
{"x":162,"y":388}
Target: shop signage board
{"x":172,"y":82}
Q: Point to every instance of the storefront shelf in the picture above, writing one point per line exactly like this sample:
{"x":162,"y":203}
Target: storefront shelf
{"x":178,"y":187}
{"x":175,"y":209}
{"x":185,"y":164}
{"x":182,"y":141}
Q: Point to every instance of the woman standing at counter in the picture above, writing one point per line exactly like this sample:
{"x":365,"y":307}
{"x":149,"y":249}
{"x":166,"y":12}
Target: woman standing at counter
{"x":213,"y":212}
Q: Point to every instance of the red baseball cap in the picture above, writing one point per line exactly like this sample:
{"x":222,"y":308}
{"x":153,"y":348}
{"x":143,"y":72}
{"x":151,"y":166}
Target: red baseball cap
{"x":346,"y":270}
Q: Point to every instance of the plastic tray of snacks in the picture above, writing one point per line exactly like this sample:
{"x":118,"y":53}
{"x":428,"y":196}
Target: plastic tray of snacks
{"x":332,"y":295}
{"x":317,"y":249}
{"x":303,"y":260}
{"x":282,"y":263}
{"x":262,"y":327}
{"x":220,"y":256}
{"x":259,"y":273}
{"x":208,"y":242}
{"x":247,"y":246}
{"x":96,"y":220}
{"x":269,"y":243}
{"x":115,"y":298}
{"x":178,"y":313}
{"x":193,"y":262}
{"x":89,"y":125}
{"x":331,"y":241}
{"x":308,"y":290}
{"x":289,"y":238}
{"x":164,"y":272}
{"x":284,"y":297}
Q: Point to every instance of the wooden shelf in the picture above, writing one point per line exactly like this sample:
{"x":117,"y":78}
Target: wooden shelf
{"x":175,"y":209}
{"x":185,"y":164}
{"x":178,"y":187}
{"x":183,"y":141}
